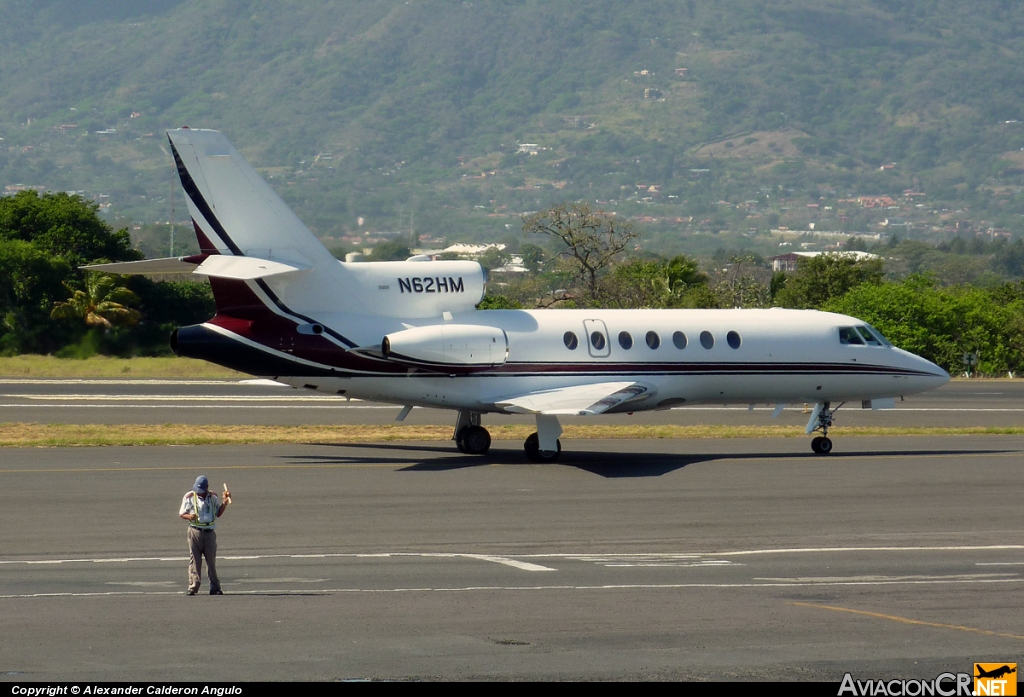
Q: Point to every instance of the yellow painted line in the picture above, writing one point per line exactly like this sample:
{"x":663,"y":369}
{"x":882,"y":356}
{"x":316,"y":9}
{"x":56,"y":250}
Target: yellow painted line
{"x":907,"y":620}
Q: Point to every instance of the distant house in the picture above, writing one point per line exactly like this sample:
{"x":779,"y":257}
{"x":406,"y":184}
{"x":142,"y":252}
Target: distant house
{"x":789,"y":262}
{"x":682,"y":72}
{"x":651,"y":93}
{"x":875,"y":201}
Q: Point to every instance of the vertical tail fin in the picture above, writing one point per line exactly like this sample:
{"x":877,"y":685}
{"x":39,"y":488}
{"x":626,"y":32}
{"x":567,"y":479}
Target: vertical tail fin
{"x":235,"y":212}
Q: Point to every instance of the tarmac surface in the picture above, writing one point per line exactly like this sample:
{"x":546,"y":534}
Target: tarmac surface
{"x":263,"y":402}
{"x":656,"y":559}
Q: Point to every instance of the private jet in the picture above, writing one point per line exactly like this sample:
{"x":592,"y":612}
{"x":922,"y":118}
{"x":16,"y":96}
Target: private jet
{"x":409,"y":333}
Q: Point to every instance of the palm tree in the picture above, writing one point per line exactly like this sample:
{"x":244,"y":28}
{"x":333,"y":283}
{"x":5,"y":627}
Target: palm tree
{"x":103,"y":303}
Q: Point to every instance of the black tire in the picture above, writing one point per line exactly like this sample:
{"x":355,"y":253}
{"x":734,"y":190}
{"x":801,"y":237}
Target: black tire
{"x":535,"y":454}
{"x":459,"y":442}
{"x":825,"y":446}
{"x":475,"y":440}
{"x":816,"y":444}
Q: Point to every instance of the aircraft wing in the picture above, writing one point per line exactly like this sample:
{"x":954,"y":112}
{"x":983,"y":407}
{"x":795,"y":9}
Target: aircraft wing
{"x":579,"y":400}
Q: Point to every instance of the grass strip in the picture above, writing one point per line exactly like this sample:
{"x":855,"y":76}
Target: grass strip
{"x":166,"y":367}
{"x":65,"y":435}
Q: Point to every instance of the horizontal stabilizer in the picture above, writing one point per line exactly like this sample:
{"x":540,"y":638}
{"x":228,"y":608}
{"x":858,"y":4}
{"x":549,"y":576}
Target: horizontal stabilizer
{"x":580,"y":400}
{"x":165,"y":265}
{"x":239,"y":268}
{"x":244,"y":268}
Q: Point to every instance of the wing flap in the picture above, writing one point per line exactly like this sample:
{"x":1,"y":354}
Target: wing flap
{"x":579,"y":400}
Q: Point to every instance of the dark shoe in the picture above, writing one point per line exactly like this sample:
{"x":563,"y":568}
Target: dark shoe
{"x":217,"y":592}
{"x":192,"y":591}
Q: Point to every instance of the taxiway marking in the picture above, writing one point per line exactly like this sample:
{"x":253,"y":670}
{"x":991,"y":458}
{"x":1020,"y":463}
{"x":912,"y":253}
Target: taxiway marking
{"x":602,"y":587}
{"x":908,"y":620}
{"x":492,"y":558}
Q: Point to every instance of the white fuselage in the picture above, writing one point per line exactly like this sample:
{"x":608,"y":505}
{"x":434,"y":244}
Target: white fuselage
{"x":781,"y":356}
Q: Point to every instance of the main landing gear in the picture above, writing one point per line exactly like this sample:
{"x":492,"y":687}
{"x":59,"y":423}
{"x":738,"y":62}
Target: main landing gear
{"x":821,"y":420}
{"x":543,"y":446}
{"x":470,"y":437}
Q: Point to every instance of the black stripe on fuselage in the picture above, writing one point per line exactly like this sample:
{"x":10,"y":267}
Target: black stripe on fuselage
{"x":193,"y":192}
{"x":636,"y":371}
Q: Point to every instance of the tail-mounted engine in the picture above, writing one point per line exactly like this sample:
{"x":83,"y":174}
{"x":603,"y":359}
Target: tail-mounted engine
{"x":442,"y":346}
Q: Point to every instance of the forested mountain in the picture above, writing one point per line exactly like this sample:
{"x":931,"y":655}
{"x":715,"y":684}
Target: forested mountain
{"x":453,"y":118}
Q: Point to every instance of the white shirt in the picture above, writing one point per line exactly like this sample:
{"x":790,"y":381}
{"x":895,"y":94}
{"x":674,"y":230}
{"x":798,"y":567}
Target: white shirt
{"x":207,"y":508}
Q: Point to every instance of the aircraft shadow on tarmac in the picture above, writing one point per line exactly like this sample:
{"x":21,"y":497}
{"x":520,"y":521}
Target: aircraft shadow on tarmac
{"x":604,"y":464}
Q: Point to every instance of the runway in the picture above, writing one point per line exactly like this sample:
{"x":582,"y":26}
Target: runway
{"x":262,"y":402}
{"x":659,"y":559}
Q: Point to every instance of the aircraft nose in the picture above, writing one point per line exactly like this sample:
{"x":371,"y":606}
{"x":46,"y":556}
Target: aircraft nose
{"x":935,"y":376}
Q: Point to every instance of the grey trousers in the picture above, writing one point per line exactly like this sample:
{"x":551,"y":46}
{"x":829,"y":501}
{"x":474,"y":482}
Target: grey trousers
{"x":202,"y":543}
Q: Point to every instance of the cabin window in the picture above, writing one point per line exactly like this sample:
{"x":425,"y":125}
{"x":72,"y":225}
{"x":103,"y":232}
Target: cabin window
{"x":571,"y":342}
{"x":679,"y":339}
{"x":653,"y":340}
{"x":847,"y":335}
{"x":734,"y":340}
{"x":625,"y":340}
{"x":597,"y":340}
{"x":707,"y":339}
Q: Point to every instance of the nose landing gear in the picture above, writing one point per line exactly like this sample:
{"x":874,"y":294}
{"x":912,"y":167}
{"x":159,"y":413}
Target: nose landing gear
{"x":821,"y":420}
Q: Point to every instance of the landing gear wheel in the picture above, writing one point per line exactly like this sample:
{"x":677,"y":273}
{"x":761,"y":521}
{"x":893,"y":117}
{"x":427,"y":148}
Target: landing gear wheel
{"x":474,"y":440}
{"x":535,"y":454}
{"x":821,"y":445}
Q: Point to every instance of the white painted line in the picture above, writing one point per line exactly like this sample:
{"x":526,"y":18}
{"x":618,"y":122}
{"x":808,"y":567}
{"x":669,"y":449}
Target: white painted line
{"x":281,"y":580}
{"x":790,"y":550}
{"x":525,"y":566}
{"x":113,"y":381}
{"x":492,"y":589}
{"x":848,"y":411}
{"x":142,"y":584}
{"x":190,"y":406}
{"x":635,"y":557}
{"x":175,"y":398}
{"x":507,"y":561}
{"x":1000,"y":563}
{"x":873,"y":579}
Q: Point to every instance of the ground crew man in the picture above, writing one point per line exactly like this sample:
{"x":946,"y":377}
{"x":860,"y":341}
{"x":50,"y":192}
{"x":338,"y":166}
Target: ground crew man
{"x":201,"y":507}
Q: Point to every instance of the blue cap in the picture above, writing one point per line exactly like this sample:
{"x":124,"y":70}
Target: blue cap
{"x":202,"y":484}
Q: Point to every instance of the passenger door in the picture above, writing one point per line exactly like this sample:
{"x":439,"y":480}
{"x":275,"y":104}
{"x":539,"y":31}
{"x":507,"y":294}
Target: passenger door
{"x":598,"y":343}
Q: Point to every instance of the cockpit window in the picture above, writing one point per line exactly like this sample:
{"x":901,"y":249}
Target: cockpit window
{"x":878,"y":335}
{"x":847,"y":335}
{"x":869,"y":338}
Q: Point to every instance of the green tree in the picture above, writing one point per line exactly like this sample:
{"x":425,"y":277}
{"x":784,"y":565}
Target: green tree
{"x":30,"y":283}
{"x":102,"y":303}
{"x":941,"y":324}
{"x":821,"y":278}
{"x":498,"y":302}
{"x":493,"y":258}
{"x":592,"y":240}
{"x":63,"y":225}
{"x":392,"y":250}
{"x":533,"y":257}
